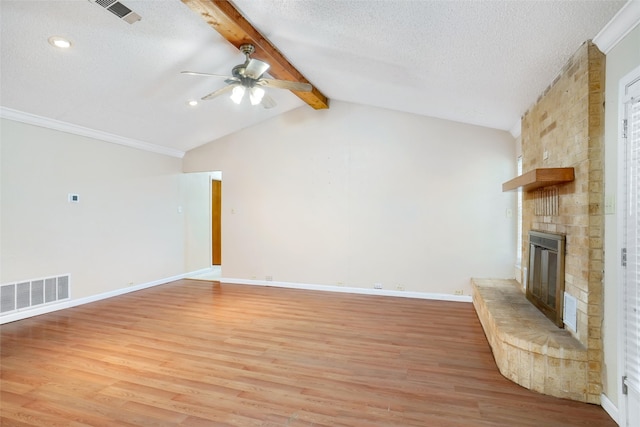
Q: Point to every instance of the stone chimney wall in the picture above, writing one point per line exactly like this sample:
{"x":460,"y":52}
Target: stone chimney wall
{"x":565,"y":128}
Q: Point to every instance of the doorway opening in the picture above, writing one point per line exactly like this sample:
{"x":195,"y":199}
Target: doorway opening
{"x":205,"y":226}
{"x":216,"y":223}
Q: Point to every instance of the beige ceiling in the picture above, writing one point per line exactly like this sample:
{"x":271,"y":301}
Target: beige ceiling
{"x":478,"y":62}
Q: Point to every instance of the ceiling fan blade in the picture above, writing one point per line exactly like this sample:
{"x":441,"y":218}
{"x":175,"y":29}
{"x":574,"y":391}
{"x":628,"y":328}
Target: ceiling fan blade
{"x":268,"y":102}
{"x":219,"y":92}
{"x":197,"y":73}
{"x":255,"y":68}
{"x":286,"y":84}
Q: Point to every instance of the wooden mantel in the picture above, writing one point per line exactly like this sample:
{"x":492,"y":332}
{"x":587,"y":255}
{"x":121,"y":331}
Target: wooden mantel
{"x":537,"y":178}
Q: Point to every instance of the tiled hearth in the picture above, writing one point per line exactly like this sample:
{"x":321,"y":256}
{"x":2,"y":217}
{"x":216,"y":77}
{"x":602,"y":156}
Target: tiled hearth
{"x":528,"y":348}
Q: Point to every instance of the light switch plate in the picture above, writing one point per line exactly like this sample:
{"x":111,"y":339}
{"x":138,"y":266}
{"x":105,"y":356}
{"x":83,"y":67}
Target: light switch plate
{"x":609,"y":204}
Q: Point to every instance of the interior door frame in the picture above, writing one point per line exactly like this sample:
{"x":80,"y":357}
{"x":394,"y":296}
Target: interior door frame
{"x":215,"y":236}
{"x":216,"y":222}
{"x":623,"y":98}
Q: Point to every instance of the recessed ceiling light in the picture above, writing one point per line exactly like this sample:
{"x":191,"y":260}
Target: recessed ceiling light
{"x":192,"y":103}
{"x":60,"y":42}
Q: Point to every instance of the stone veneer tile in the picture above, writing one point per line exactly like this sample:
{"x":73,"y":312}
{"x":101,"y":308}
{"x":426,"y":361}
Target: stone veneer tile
{"x":539,"y":373}
{"x":553,"y":377}
{"x":525,"y":369}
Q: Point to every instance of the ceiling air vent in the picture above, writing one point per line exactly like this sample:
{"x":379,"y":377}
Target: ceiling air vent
{"x":118,"y":9}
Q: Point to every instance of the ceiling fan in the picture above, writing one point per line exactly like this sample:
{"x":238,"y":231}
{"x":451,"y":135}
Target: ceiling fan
{"x":248,"y":77}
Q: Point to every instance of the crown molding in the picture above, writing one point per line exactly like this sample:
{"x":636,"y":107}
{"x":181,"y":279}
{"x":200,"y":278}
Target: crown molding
{"x":32,"y":119}
{"x":620,"y":25}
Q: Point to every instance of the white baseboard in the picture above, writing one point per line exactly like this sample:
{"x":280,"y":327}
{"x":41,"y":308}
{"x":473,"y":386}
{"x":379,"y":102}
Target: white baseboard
{"x":347,"y":289}
{"x":609,"y":408}
{"x":200,"y":272}
{"x":19,"y":315}
{"x":12,"y":317}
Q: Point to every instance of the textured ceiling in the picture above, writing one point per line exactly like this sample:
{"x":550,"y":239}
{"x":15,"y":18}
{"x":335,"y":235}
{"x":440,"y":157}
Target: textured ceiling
{"x":479,"y":62}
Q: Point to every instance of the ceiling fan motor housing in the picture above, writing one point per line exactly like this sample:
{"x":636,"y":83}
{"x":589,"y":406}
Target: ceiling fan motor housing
{"x":239,"y":73}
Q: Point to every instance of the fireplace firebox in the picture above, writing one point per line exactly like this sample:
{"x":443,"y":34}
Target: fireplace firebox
{"x":545,"y":284}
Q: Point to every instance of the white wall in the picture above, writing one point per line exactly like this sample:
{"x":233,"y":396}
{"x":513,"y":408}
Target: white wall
{"x":623,"y":58}
{"x":196,"y":204}
{"x":125,"y":231}
{"x":356,"y":195}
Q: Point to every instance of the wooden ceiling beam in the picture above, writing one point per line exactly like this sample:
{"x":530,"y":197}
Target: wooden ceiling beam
{"x":223,"y":17}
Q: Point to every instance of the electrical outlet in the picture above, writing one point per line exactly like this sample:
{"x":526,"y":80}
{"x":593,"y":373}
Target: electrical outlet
{"x":269,"y":278}
{"x":377,"y":286}
{"x":400,"y":287}
{"x":458,"y":292}
{"x":340,"y":283}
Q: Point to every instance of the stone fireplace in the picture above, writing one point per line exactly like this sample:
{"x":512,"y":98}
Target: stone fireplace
{"x":564,"y":129}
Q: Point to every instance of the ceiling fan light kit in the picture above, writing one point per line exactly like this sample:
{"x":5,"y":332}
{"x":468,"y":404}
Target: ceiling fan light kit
{"x":237,"y":94}
{"x":255,"y":95}
{"x":249,"y":75}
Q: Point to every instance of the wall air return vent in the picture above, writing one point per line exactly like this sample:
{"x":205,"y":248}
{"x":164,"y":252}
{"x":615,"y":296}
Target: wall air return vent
{"x":118,"y":9}
{"x":31,"y":294}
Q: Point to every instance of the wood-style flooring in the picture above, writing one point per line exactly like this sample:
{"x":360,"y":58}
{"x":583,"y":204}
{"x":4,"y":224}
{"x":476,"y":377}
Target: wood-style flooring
{"x":197,"y":353}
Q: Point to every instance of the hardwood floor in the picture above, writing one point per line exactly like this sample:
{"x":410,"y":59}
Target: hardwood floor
{"x":196,"y":353}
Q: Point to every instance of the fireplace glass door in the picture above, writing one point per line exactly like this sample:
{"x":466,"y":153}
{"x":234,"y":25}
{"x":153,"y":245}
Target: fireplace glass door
{"x":545,"y":284}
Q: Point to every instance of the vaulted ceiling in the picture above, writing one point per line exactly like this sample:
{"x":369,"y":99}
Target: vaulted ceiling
{"x":477,"y":62}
